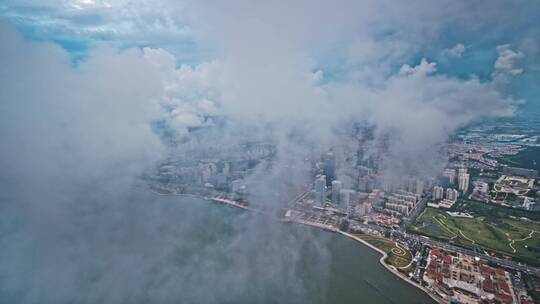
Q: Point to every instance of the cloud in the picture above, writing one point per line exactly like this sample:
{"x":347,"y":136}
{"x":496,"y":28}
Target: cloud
{"x":507,"y":61}
{"x":424,"y":67}
{"x":455,"y":51}
{"x":75,"y":140}
{"x":77,"y":222}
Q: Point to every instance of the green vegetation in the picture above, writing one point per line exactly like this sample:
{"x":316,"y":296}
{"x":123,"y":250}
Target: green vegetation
{"x":398,"y":256}
{"x":493,"y":212}
{"x":490,"y":229}
{"x":528,"y":158}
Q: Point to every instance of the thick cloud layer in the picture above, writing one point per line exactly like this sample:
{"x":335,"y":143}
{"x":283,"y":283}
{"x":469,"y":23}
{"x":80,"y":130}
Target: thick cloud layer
{"x":74,"y":138}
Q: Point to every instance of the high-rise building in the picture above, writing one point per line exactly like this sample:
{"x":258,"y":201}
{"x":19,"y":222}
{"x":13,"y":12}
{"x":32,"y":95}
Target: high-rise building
{"x":320,"y":190}
{"x":363,"y":184}
{"x":361,"y":209}
{"x":463,"y":182}
{"x":226,"y":168}
{"x":344,"y":198}
{"x":419,"y":189}
{"x":329,"y":165}
{"x":336,"y":188}
{"x":364,"y":171}
{"x":450,"y":174}
{"x":462,"y":170}
{"x":452,"y":194}
{"x":403,"y":209}
{"x":438,"y":192}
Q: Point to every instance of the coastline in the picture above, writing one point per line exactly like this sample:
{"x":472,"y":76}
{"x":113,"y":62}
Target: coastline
{"x":382,"y":259}
{"x":390,"y":268}
{"x":384,"y":255}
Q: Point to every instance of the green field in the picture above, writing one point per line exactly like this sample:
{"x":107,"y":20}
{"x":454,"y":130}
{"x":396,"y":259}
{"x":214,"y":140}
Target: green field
{"x":528,"y":158}
{"x":487,"y":230}
{"x":398,"y":256}
{"x":493,"y":212}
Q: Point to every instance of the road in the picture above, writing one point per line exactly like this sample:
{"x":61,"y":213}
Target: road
{"x":418,"y":208}
{"x":424,"y":240}
{"x":450,"y":247}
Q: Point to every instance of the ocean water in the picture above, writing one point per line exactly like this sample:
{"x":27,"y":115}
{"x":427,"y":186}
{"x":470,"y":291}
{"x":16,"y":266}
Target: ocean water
{"x":145,"y":248}
{"x":256,"y":260}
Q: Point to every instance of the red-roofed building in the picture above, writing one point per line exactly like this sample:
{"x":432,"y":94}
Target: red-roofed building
{"x":504,"y":287}
{"x":504,"y":298}
{"x":488,"y":286}
{"x":485,"y":270}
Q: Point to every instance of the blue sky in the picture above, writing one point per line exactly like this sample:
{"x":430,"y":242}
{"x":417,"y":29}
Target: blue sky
{"x":82,"y":25}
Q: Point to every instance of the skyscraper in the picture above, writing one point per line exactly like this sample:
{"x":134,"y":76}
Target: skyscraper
{"x":450,"y":174}
{"x":329,"y":165}
{"x":419,"y":189}
{"x":336,"y":188}
{"x":344,"y":198}
{"x":451,"y":194}
{"x":463,"y":182}
{"x":320,"y":190}
{"x":438,"y":192}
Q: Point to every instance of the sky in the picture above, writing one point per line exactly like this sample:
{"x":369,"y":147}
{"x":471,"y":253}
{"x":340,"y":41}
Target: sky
{"x":84,"y":83}
{"x":461,"y":37}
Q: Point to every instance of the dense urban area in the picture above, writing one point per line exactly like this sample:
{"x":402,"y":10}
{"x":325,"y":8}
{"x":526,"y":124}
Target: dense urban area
{"x":469,"y":235}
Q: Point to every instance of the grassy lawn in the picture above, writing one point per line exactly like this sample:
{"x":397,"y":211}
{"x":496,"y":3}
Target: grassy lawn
{"x":528,"y":158}
{"x":503,"y":234}
{"x":397,"y":256}
{"x":493,"y":212}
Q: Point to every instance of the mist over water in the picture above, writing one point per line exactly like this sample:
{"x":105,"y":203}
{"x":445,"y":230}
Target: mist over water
{"x":200,"y":252}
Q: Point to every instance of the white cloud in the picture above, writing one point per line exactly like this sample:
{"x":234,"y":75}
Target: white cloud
{"x":455,"y":51}
{"x":423,"y":68}
{"x":68,"y":132}
{"x":508,"y":59}
{"x":506,"y":65}
{"x":318,"y":76}
{"x":160,"y":58}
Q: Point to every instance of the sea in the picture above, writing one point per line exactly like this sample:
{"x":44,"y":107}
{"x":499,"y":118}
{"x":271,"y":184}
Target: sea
{"x":230,"y":255}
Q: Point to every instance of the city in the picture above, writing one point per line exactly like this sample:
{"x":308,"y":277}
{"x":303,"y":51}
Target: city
{"x":269,"y":152}
{"x":432,"y":233}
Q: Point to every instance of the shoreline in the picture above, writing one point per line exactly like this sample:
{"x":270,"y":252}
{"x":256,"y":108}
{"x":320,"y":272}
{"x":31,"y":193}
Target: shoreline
{"x":382,"y":259}
{"x":390,"y":268}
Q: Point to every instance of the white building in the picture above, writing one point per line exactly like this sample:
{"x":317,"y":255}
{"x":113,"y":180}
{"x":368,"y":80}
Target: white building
{"x":419,"y":190}
{"x":481,"y":187}
{"x":463,"y":182}
{"x":438,"y":192}
{"x":345,"y":198}
{"x":452,"y":194}
{"x":336,"y":188}
{"x":403,"y":209}
{"x":320,"y":190}
{"x":450,"y":174}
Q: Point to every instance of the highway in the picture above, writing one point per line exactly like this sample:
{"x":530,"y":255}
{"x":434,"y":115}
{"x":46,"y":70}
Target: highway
{"x":402,"y":232}
{"x":450,"y":247}
{"x":418,"y":208}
